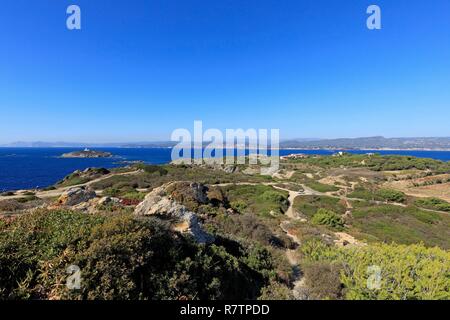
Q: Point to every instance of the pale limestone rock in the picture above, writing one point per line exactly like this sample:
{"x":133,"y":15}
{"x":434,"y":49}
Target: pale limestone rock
{"x":75,"y":196}
{"x":160,"y":202}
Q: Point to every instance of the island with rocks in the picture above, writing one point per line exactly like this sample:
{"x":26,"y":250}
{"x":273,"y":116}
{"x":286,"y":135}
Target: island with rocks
{"x":86,"y":153}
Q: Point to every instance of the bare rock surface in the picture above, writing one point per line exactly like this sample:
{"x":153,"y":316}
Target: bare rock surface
{"x":76,"y":196}
{"x":165,"y":202}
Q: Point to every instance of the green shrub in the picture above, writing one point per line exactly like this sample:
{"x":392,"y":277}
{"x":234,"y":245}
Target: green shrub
{"x":152,"y":169}
{"x":111,"y":192}
{"x":391,"y":195}
{"x":27,"y":199}
{"x":7,"y":193}
{"x":386,"y":271}
{"x":321,"y":187}
{"x":315,"y":250}
{"x":406,"y":272}
{"x":322,"y":281}
{"x":238,"y":205}
{"x":120,"y":257}
{"x":276,"y":291}
{"x":308,"y":205}
{"x":328,"y":218}
{"x":405,"y":225}
{"x":134,"y":195}
{"x":433,"y":204}
{"x":378,"y":195}
{"x":256,"y":199}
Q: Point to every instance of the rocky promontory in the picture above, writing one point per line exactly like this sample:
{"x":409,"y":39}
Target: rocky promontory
{"x":86,"y":153}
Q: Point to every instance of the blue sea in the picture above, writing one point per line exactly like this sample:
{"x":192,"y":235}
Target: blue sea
{"x":27,"y":168}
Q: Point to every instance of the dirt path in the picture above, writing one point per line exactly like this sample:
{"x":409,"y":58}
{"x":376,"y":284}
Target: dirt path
{"x":292,"y":257}
{"x":290,"y":212}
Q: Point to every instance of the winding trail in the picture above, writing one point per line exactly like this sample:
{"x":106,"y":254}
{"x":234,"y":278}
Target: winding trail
{"x":291,"y":254}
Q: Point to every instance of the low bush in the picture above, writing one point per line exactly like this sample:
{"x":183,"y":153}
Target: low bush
{"x":391,"y":195}
{"x":7,"y":193}
{"x":433,"y":204}
{"x":328,"y":218}
{"x":152,"y":169}
{"x":405,"y":225}
{"x":10,"y":205}
{"x":276,"y":291}
{"x":121,"y":257}
{"x":386,"y":271}
{"x":388,"y":195}
{"x":322,"y":280}
{"x":321,"y":187}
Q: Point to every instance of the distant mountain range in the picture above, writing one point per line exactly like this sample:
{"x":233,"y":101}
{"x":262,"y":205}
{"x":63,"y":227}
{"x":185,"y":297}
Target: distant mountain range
{"x":62,"y":144}
{"x":370,"y":143}
{"x":367,"y":143}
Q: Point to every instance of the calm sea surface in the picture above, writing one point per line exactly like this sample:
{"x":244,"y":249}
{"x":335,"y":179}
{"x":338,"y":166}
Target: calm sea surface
{"x":26,"y":168}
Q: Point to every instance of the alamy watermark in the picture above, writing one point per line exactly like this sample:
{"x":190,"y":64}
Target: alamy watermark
{"x":73,"y":21}
{"x":232,"y":147}
{"x":73,"y":281}
{"x":374,"y":279}
{"x":374,"y":20}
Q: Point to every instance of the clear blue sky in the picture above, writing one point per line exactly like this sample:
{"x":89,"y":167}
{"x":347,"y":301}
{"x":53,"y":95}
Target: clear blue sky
{"x":139,"y":69}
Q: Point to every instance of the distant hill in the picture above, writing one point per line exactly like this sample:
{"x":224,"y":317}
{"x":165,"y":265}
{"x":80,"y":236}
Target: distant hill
{"x":368,"y":143}
{"x":62,"y":144}
{"x":371,"y":143}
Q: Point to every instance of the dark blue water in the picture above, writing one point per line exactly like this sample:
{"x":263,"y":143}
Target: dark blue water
{"x":27,"y":168}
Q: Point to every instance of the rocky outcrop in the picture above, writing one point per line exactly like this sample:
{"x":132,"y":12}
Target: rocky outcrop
{"x":86,"y":153}
{"x":76,"y":196}
{"x":168,"y":202}
{"x":210,"y":164}
{"x":104,"y":201}
{"x":85,"y":175}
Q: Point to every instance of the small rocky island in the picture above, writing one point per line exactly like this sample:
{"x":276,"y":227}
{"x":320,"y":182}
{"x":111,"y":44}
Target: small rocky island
{"x":86,"y":153}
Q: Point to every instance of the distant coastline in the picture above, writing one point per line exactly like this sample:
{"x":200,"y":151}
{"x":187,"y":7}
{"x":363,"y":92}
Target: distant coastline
{"x":369,"y":149}
{"x":242,"y":147}
{"x":365,"y":143}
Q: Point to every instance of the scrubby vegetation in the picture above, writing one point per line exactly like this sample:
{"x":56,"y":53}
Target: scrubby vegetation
{"x":433,"y":204}
{"x":378,"y":271}
{"x":328,"y":218}
{"x":356,"y":236}
{"x":256,"y":199}
{"x":308,"y":205}
{"x":80,"y":177}
{"x":378,"y":163}
{"x":123,"y":257}
{"x":406,"y":225}
{"x":321,"y":187}
{"x":152,"y":178}
{"x":388,"y":195}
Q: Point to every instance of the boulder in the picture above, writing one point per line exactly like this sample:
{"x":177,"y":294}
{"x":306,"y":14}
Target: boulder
{"x":108,"y":201}
{"x":75,"y":196}
{"x":190,"y":194}
{"x":165,"y":202}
